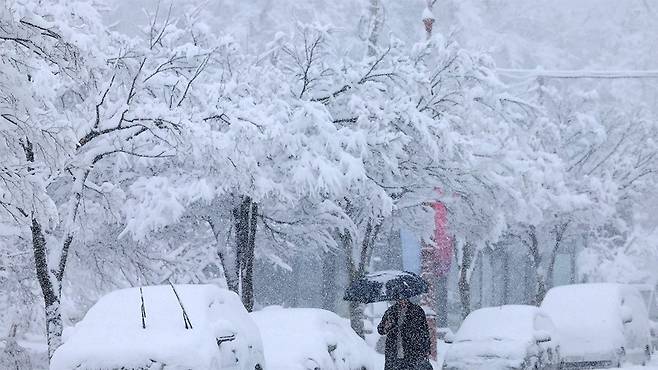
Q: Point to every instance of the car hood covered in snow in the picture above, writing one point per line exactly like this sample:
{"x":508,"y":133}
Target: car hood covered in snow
{"x":487,"y":353}
{"x":577,"y":346}
{"x":111,"y":334}
{"x":307,"y":338}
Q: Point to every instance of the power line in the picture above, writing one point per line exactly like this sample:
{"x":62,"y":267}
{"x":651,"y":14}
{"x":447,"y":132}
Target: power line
{"x":577,"y":74}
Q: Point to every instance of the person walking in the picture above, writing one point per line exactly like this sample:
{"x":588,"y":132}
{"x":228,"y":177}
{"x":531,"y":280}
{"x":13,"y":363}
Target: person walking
{"x":407,"y":337}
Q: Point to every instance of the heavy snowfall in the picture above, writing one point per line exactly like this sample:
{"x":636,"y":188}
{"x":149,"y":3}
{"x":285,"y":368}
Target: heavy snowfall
{"x":328,"y":185}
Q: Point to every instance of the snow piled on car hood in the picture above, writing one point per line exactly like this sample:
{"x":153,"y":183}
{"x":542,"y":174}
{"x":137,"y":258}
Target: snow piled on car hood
{"x":302,"y":338}
{"x":111,"y":333}
{"x":496,"y":354}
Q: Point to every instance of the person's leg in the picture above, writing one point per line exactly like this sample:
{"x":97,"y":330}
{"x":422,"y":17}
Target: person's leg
{"x":396,"y":364}
{"x":391,"y":364}
{"x":406,"y":364}
{"x":414,"y":364}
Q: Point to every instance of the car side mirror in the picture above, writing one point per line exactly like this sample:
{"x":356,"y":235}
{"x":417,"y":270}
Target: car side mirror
{"x":223,"y":336}
{"x":449,"y":338}
{"x":626,"y":315}
{"x":542,"y":337}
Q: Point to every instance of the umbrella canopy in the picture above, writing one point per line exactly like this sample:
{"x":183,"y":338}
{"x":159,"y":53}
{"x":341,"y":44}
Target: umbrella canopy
{"x":385,"y":286}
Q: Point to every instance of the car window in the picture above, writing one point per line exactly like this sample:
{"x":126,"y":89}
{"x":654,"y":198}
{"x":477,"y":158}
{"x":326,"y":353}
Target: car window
{"x":636,"y":303}
{"x":636,"y":331}
{"x":507,"y":322}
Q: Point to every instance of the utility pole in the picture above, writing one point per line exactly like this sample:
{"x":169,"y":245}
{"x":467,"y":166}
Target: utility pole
{"x":577,"y":74}
{"x":429,"y":300}
{"x":428,"y":18}
{"x":434,"y":265}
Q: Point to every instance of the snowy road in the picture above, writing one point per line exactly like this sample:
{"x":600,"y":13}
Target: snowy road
{"x":652,"y":366}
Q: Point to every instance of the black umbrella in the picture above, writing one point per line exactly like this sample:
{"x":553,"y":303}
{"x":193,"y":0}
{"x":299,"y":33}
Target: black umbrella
{"x":385,"y":286}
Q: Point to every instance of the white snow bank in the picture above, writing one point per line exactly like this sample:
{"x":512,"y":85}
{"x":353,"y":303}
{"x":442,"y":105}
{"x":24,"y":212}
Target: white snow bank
{"x":307,"y":338}
{"x":111,"y":334}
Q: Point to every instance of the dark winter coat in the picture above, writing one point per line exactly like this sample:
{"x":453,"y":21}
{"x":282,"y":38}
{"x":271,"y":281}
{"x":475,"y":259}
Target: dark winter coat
{"x":415,"y":337}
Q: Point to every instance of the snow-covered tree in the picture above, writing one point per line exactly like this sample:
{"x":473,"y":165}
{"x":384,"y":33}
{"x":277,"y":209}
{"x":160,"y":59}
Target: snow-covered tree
{"x":81,"y":104}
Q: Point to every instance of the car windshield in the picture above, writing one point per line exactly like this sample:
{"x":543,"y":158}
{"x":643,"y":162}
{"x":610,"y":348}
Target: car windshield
{"x":593,"y":306}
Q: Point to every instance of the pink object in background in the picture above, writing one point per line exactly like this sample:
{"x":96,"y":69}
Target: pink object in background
{"x":436,"y":259}
{"x":443,"y":252}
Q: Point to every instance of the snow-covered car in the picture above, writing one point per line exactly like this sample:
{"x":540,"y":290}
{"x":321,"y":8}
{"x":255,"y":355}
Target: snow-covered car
{"x":601,"y":325}
{"x":505,"y":337}
{"x":310,"y":339}
{"x":191,"y":327}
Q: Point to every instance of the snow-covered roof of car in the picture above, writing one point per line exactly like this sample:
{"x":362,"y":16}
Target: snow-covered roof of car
{"x":582,"y":309}
{"x":511,"y":322}
{"x":583,"y":303}
{"x":111,"y":333}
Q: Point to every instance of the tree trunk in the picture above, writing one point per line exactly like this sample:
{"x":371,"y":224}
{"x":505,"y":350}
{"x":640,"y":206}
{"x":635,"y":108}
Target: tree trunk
{"x":464,"y":284}
{"x":51,"y":285}
{"x":355,"y":309}
{"x":480,"y":267}
{"x":230,"y":275}
{"x":572,"y":262}
{"x":357,"y":265}
{"x":535,"y":256}
{"x":329,"y":275}
{"x":245,"y":219}
{"x":558,"y":232}
{"x":357,"y":316}
{"x":506,"y":277}
{"x":51,"y":294}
